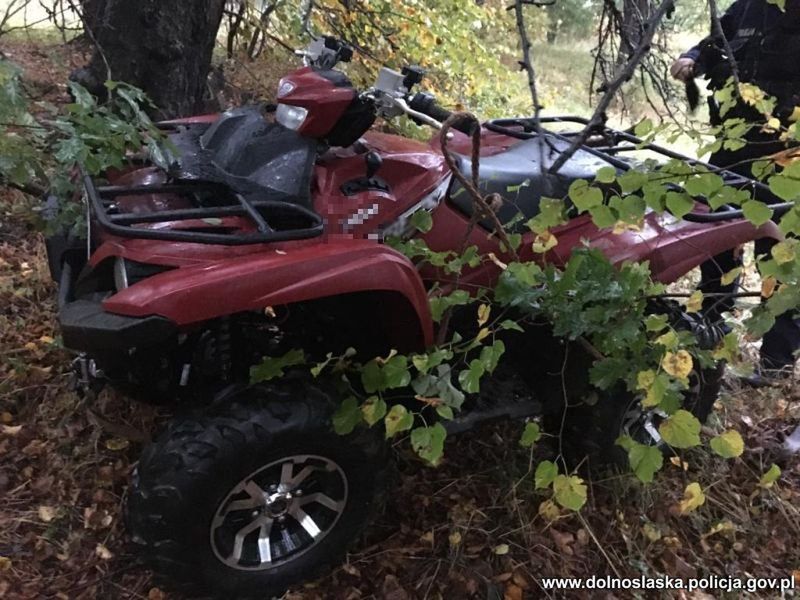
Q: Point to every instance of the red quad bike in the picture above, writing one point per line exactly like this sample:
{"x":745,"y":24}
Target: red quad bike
{"x":265,"y":236}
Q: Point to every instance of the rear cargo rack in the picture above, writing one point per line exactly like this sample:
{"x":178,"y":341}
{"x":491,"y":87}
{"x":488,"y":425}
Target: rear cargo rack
{"x":617,"y":142}
{"x":275,"y":221}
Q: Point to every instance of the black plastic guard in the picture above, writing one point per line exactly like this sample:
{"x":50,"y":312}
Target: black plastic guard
{"x":86,"y":327}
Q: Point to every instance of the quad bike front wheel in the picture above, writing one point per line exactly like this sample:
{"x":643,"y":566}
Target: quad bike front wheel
{"x":256,"y":495}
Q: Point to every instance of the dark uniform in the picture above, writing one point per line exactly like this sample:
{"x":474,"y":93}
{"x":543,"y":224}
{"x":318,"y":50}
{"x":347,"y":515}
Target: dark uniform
{"x":766,"y":46}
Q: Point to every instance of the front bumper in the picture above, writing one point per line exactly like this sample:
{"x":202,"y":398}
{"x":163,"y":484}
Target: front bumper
{"x":87,"y":327}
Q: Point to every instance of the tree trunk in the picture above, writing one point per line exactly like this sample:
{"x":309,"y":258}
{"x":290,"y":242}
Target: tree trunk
{"x":162,"y":46}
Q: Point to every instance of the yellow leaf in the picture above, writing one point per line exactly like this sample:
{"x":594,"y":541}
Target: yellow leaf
{"x":773,"y":124}
{"x":784,"y":252}
{"x":544,"y":241}
{"x":729,"y":444}
{"x":768,"y":286}
{"x":651,"y":531}
{"x":695,"y":302}
{"x":5,"y":563}
{"x":47,"y":513}
{"x":693,"y":497}
{"x":455,"y":538}
{"x":678,"y":364}
{"x":645,"y":379}
{"x":549,"y":510}
{"x":484,"y":310}
{"x":46,"y":339}
{"x":482,"y":334}
{"x":795,"y":116}
{"x":501,"y":549}
{"x":117,"y":444}
{"x":729,"y":277}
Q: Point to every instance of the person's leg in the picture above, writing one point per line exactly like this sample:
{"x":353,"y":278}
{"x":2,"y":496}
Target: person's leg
{"x":711,"y":273}
{"x":780,"y":343}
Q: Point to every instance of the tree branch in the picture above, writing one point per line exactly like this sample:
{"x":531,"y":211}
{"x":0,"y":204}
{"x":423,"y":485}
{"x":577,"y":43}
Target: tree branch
{"x":527,"y":64}
{"x":716,"y":29}
{"x":623,"y":75}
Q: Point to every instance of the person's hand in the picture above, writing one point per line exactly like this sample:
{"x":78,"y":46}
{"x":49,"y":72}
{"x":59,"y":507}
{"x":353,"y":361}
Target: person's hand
{"x":682,"y":69}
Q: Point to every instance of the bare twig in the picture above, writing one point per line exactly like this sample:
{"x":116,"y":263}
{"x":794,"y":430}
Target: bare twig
{"x":527,"y":64}
{"x":716,"y":29}
{"x":623,"y":75}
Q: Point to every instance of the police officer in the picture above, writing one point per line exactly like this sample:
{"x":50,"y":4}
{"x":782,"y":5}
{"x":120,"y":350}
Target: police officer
{"x":765,"y":42}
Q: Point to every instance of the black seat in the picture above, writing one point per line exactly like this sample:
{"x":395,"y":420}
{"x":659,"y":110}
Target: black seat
{"x":253,"y":157}
{"x":516,"y":175}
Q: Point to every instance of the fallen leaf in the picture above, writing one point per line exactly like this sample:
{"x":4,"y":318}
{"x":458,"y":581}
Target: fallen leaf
{"x":47,"y":513}
{"x":512,"y":592}
{"x":5,"y":563}
{"x":103,"y":552}
{"x":693,"y":498}
{"x":501,"y":549}
{"x":117,"y":444}
{"x":454,"y":538}
{"x":11,"y":430}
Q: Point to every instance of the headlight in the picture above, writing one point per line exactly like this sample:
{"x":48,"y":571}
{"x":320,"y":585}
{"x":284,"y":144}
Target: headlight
{"x":290,"y":116}
{"x":128,"y":272}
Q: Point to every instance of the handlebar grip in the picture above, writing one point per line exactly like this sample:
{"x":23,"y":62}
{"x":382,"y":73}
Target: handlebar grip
{"x":426,"y":103}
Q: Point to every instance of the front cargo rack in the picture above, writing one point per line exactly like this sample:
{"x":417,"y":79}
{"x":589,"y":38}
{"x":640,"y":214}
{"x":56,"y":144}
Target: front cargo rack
{"x":608,"y":144}
{"x":274,"y":220}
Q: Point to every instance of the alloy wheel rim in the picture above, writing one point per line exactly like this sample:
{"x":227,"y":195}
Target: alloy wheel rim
{"x":278,"y":512}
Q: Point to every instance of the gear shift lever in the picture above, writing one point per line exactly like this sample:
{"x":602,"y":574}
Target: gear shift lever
{"x":373,"y":162}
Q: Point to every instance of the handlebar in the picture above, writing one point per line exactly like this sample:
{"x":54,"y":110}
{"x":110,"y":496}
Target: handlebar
{"x":426,"y":104}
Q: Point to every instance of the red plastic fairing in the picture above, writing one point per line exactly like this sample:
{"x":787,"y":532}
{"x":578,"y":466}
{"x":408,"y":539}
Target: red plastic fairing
{"x":198,"y":293}
{"x":325,"y":101}
{"x":672,"y":247}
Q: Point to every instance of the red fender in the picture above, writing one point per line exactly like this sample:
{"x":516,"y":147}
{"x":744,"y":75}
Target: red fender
{"x":198,"y":293}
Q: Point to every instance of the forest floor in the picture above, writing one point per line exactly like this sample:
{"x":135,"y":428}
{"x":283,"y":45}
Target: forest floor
{"x":468,"y":529}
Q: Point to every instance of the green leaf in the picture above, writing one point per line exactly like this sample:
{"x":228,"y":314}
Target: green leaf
{"x":490,"y":355}
{"x":679,"y":203}
{"x":347,"y":416}
{"x":606,"y":175}
{"x":373,"y":409}
{"x":642,"y":128}
{"x":645,"y":461}
{"x":272,"y":367}
{"x":530,"y":435}
{"x":784,"y":187}
{"x":395,"y":372}
{"x":545,"y":474}
{"x":470,"y":380}
{"x":422,"y":221}
{"x":728,"y":445}
{"x":584,"y":196}
{"x":569,"y":491}
{"x":769,"y":478}
{"x":681,"y":430}
{"x":398,"y":419}
{"x":704,"y":184}
{"x":603,"y":216}
{"x":757,"y":212}
{"x":428,"y":442}
{"x":656,"y":322}
{"x":441,"y":303}
{"x":372,"y":377}
{"x":511,"y":325}
{"x":444,"y":411}
{"x":760,"y":321}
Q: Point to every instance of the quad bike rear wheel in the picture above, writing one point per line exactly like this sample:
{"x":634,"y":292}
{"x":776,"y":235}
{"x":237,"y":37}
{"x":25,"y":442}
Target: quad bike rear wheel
{"x":256,"y":495}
